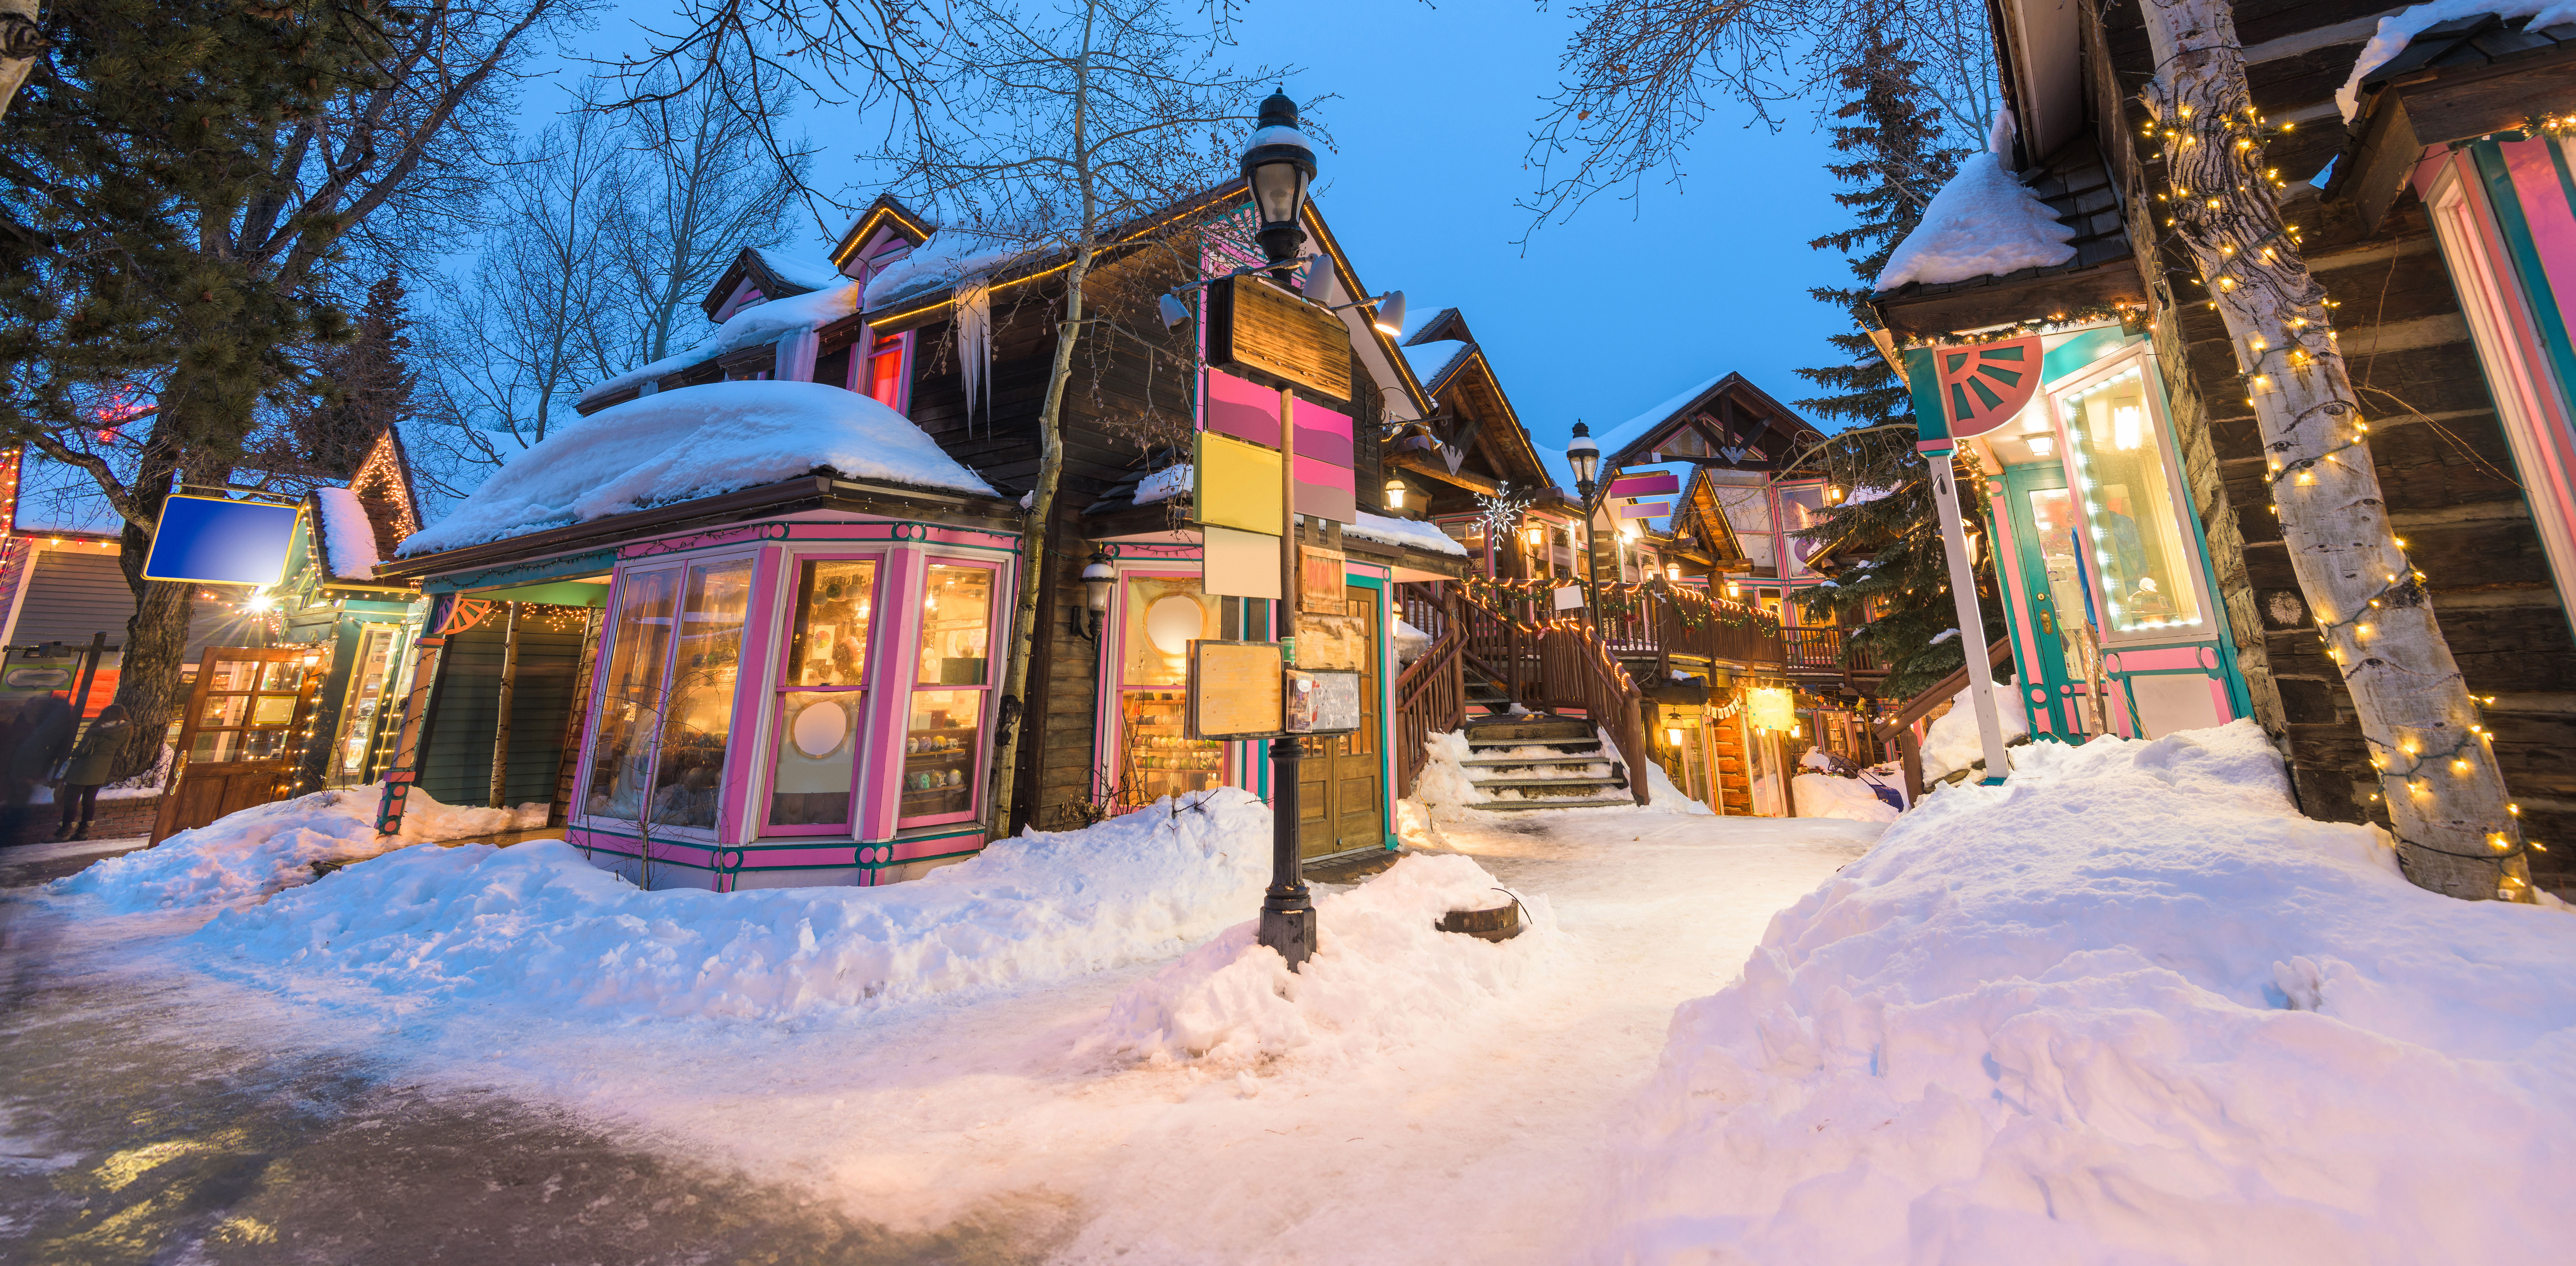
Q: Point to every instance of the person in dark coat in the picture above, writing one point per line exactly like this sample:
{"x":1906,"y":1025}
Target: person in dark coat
{"x":92,"y":760}
{"x":50,"y":727}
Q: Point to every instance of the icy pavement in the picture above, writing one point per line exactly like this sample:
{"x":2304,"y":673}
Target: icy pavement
{"x":992,"y":1118}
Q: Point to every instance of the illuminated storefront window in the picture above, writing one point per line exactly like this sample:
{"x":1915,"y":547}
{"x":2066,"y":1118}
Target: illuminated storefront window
{"x":2132,"y":512}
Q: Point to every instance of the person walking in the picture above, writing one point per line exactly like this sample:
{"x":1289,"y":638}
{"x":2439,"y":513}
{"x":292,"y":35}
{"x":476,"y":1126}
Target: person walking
{"x":88,"y":768}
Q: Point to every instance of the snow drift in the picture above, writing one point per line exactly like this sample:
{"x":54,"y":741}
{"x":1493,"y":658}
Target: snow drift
{"x":695,"y":442}
{"x":269,"y":847}
{"x":1984,"y":223}
{"x":1381,"y":976}
{"x":2128,"y":1006}
{"x":537,"y":926}
{"x":1952,"y":743}
{"x":2399,"y":29}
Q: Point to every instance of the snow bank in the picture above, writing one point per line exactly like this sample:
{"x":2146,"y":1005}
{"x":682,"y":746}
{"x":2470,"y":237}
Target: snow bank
{"x":2399,"y":29}
{"x":1443,"y":782}
{"x":536,"y":926}
{"x":1410,"y":642}
{"x":1983,"y":223}
{"x":347,"y":533}
{"x":1951,"y":742}
{"x":269,"y":847}
{"x":1382,"y":976}
{"x":1419,"y":535}
{"x":2127,"y":1007}
{"x":695,"y":442}
{"x":1827,"y":796}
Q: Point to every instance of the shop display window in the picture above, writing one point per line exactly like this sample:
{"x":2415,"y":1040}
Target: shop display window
{"x":667,"y":699}
{"x":942,"y":744}
{"x":2133,"y":514}
{"x":814,"y":763}
{"x":1163,"y":615}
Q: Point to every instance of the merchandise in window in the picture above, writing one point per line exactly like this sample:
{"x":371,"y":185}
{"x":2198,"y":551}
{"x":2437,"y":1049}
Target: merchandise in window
{"x":942,"y":743}
{"x":815,"y":760}
{"x":667,"y":699}
{"x":2131,"y":513}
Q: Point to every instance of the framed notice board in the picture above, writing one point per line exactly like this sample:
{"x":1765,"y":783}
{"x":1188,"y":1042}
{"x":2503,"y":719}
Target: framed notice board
{"x":1235,"y":690}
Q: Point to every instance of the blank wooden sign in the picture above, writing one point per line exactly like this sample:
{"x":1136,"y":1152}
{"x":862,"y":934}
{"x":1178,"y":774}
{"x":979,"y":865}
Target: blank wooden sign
{"x":1235,"y":690}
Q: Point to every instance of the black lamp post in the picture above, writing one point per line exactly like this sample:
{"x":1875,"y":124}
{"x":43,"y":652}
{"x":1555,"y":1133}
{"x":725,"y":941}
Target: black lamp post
{"x":1278,"y":164}
{"x":1585,"y":457}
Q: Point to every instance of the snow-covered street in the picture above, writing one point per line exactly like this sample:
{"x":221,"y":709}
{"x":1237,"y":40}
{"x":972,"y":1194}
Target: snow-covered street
{"x":1000,"y":1115}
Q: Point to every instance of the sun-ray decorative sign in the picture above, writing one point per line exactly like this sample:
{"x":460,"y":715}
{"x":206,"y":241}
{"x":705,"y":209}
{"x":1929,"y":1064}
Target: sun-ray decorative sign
{"x":1967,"y":391}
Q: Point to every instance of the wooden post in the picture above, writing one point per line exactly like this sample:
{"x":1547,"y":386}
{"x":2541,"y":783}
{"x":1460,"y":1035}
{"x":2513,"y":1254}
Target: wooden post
{"x":1287,"y":906}
{"x":509,"y":693}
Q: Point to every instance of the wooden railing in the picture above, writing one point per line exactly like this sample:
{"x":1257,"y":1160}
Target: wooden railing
{"x":1430,"y":698}
{"x":1899,"y":729}
{"x":1664,"y":621}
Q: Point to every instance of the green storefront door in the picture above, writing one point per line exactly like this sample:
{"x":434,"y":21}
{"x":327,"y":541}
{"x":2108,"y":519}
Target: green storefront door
{"x":2044,"y":521}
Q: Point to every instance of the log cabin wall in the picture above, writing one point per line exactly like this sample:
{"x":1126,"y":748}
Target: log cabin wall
{"x":2442,"y":457}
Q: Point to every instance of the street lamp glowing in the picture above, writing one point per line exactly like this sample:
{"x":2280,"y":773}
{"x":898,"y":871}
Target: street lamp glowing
{"x":1395,"y":491}
{"x":1584,"y":456}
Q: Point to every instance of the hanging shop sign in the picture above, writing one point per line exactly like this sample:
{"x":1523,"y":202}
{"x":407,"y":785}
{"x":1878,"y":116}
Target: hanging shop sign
{"x":1319,"y":580}
{"x":218,"y":541}
{"x":1654,"y":484}
{"x":1259,"y":331}
{"x":1771,"y":708}
{"x":1236,"y":485}
{"x":1235,"y":689}
{"x":1962,"y":392}
{"x":1646,"y":510}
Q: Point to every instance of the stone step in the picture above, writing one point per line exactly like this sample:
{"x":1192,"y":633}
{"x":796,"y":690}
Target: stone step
{"x":1517,"y":806}
{"x":1527,"y":731}
{"x":1502,"y":761}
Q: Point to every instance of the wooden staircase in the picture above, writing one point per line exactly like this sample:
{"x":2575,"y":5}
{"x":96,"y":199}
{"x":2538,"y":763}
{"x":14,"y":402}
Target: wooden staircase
{"x":1538,"y":761}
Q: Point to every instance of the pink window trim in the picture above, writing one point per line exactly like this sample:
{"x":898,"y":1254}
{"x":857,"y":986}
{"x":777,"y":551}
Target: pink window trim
{"x":1110,"y":736}
{"x":901,"y":712}
{"x":773,"y":708}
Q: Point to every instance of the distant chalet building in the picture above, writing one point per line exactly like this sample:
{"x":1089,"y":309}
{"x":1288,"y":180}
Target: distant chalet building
{"x":796,"y":549}
{"x":2148,"y":585}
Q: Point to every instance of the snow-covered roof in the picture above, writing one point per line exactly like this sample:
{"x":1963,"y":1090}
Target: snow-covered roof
{"x":757,"y":324}
{"x":799,"y":270}
{"x":1163,"y":485}
{"x":1634,"y":429}
{"x":1419,"y":535}
{"x":1428,"y":359}
{"x":2399,"y":29}
{"x":348,"y":535}
{"x":1984,"y":223}
{"x":943,"y":261}
{"x":694,"y":442}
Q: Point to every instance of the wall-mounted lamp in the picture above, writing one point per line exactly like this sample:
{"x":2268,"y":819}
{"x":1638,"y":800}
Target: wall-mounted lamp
{"x":1530,"y":536}
{"x":1673,"y":572}
{"x":1734,"y":590}
{"x":1097,"y":576}
{"x":2042,"y":445}
{"x":1395,"y":491}
{"x":1673,"y":735}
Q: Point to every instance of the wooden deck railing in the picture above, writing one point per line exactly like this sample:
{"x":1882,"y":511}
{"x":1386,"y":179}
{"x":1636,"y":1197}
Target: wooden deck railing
{"x":1430,"y":698}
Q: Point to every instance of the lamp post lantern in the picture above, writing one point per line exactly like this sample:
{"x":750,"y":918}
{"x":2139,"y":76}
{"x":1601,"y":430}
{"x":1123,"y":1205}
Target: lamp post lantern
{"x":1278,"y":164}
{"x":1585,"y":457}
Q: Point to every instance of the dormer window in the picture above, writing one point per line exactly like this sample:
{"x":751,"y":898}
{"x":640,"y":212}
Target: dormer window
{"x":886,"y":378}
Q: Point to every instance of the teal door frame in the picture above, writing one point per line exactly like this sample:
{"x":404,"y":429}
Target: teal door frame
{"x":2041,"y":615}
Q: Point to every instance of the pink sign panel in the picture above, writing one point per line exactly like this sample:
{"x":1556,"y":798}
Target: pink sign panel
{"x":1323,"y":435}
{"x":1649,"y":510}
{"x":1650,"y":485}
{"x":1246,"y":411}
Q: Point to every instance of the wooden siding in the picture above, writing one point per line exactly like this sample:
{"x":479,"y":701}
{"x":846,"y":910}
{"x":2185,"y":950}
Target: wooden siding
{"x":456,"y":762}
{"x":2443,"y":462}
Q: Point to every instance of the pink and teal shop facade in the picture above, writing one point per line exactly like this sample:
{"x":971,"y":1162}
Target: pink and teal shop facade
{"x":789,"y":685}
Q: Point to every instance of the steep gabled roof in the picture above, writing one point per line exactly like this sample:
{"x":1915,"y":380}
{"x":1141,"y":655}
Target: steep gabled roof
{"x":1726,"y":420}
{"x":886,"y":219}
{"x":774,"y":274}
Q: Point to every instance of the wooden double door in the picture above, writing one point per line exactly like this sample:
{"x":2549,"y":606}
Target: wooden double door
{"x":1341,"y":785}
{"x":242,"y":739}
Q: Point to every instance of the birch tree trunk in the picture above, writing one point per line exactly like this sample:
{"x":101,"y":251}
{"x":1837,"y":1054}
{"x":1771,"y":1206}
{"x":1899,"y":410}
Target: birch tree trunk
{"x":2446,"y":800}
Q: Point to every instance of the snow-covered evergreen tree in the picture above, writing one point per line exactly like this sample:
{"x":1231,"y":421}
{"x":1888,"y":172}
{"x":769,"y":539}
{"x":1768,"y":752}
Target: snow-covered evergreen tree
{"x":1890,"y":137}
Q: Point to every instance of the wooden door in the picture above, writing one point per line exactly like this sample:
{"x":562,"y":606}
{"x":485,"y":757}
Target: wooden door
{"x":1341,"y":783}
{"x":243,"y":736}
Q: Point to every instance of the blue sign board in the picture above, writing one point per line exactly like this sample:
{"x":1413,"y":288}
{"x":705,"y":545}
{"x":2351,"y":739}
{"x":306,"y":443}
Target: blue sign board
{"x":209,"y":540}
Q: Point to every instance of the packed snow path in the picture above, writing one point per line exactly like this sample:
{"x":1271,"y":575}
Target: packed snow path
{"x":995,"y":1117}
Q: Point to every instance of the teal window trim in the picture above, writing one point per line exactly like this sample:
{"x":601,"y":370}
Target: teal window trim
{"x":2505,"y":206}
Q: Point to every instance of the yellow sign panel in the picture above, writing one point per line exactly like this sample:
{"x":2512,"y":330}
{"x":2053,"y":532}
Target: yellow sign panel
{"x":1235,"y":689}
{"x":1236,"y":484}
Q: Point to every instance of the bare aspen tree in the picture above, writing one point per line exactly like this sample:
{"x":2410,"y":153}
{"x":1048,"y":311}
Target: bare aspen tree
{"x":2446,"y":799}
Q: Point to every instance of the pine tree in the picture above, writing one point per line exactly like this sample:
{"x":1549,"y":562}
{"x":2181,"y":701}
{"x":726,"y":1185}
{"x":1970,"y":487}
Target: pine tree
{"x":1890,"y":135}
{"x":366,"y":391}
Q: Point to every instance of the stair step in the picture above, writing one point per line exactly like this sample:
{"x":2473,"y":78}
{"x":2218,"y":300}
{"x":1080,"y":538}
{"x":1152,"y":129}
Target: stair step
{"x":1516,"y":806}
{"x":1505,"y":761}
{"x":1567,"y":783}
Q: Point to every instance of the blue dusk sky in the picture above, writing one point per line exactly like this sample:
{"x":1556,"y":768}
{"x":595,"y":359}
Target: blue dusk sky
{"x":1599,"y":317}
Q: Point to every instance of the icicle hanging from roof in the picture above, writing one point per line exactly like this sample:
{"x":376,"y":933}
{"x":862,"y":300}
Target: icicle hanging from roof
{"x":974,"y":307}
